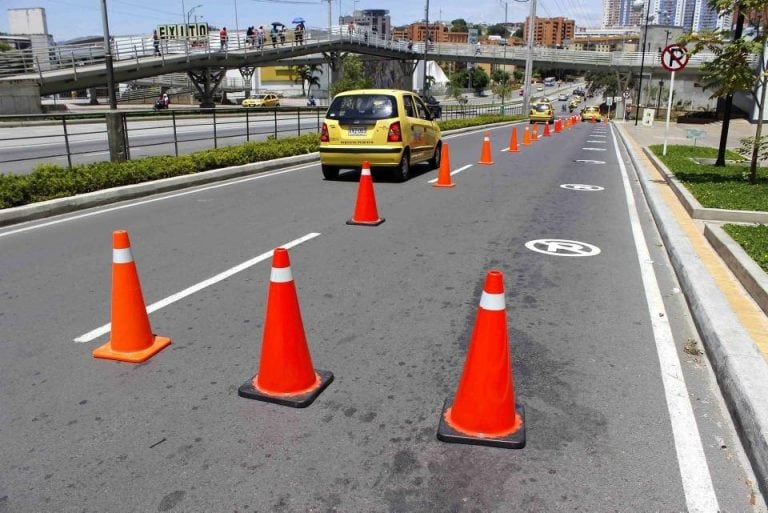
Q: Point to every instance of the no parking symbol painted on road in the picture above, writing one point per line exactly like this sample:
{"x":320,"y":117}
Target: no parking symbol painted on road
{"x":581,"y":187}
{"x":562,"y":247}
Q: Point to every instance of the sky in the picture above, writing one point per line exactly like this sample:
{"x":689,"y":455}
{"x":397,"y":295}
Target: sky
{"x":68,"y":19}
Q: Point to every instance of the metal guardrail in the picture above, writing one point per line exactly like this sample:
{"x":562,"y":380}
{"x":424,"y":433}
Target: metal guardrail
{"x":70,"y":139}
{"x":127,"y":48}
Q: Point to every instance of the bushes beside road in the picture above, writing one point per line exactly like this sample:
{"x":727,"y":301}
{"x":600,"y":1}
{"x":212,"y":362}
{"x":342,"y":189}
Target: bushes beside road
{"x":49,"y":181}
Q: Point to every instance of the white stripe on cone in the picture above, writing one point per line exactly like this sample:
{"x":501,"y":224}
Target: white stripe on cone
{"x":494,"y":302}
{"x":280,"y":275}
{"x":122,"y":256}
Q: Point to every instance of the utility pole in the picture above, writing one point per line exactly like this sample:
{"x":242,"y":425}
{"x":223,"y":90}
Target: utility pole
{"x":506,"y":4}
{"x":426,"y":47}
{"x":115,"y":128}
{"x":529,"y":59}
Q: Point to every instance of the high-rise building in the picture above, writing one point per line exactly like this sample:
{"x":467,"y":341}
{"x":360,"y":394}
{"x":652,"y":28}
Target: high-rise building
{"x":550,"y":32}
{"x":693,"y":15}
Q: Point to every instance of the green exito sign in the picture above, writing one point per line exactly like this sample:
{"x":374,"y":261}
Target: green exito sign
{"x":191,"y":30}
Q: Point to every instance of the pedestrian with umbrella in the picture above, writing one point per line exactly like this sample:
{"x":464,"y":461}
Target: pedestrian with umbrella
{"x":299,"y":31}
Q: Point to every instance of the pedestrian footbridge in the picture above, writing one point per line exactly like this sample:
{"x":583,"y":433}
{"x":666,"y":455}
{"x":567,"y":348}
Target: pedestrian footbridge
{"x":26,"y":75}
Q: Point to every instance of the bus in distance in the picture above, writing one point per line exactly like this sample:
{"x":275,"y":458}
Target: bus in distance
{"x":550,"y":82}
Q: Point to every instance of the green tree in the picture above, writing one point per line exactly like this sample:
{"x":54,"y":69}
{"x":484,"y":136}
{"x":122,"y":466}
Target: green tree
{"x":498,"y":30}
{"x":459,"y":25}
{"x":503,"y":85}
{"x":475,"y":78}
{"x":732,"y":70}
{"x":353,"y":76}
{"x":455,"y":88}
{"x":306,"y":76}
{"x":518,"y":33}
{"x":4,"y":47}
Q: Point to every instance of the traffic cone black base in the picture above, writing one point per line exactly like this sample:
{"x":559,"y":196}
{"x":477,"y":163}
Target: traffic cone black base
{"x":516,"y":440}
{"x":372,"y":223}
{"x":248,"y":391}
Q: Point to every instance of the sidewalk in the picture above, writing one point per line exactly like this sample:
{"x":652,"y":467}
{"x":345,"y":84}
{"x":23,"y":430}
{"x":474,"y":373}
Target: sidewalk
{"x":733,"y":328}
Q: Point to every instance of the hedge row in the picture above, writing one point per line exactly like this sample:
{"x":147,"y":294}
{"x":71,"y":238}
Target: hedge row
{"x":50,"y":181}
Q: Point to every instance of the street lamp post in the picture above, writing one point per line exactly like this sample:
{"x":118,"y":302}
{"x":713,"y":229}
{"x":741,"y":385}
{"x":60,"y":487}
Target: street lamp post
{"x":529,"y":58}
{"x":189,"y":13}
{"x":639,"y":4}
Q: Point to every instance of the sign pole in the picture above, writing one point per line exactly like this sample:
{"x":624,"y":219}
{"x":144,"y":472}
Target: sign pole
{"x":669,"y":111}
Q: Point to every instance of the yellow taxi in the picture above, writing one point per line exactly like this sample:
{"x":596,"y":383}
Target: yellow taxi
{"x":391,"y":129}
{"x":590,"y":113}
{"x":542,"y":111}
{"x":262,"y":100}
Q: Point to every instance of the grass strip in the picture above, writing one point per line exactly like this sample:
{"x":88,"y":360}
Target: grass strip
{"x":725,"y":187}
{"x":754,"y":240}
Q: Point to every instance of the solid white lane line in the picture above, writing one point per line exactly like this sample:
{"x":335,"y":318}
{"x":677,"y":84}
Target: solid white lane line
{"x":697,"y":481}
{"x":153,"y":200}
{"x":453,"y":172}
{"x":594,"y":149}
{"x":87,"y":337}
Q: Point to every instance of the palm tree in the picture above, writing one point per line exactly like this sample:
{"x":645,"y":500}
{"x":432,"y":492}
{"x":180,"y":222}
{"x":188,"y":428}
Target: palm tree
{"x":306,"y":75}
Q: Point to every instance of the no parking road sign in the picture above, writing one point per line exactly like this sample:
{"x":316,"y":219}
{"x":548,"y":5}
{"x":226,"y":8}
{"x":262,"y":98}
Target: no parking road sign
{"x":674,"y":58}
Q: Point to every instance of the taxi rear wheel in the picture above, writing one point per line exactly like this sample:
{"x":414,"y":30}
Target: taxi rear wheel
{"x":404,"y":169}
{"x":330,"y":172}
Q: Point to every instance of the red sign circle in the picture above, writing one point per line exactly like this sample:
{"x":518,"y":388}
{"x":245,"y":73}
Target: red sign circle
{"x":674,"y":57}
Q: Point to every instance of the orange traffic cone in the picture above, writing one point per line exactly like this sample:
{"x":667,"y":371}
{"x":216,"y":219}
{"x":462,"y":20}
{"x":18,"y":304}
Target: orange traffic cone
{"x":546,"y":130}
{"x":366,"y":213}
{"x":485,"y":153}
{"x":527,"y":137}
{"x":285,"y":375}
{"x":513,"y":141}
{"x":483,"y":411}
{"x":131,"y":339}
{"x":558,"y":124}
{"x":535,"y":132}
{"x":444,"y":174}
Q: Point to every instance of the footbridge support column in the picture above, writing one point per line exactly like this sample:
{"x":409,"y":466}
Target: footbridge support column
{"x":207,"y":81}
{"x":335,"y":65}
{"x":20,"y":97}
{"x":247,"y":73}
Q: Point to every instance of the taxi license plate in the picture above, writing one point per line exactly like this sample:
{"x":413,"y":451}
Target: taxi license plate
{"x":357,"y":131}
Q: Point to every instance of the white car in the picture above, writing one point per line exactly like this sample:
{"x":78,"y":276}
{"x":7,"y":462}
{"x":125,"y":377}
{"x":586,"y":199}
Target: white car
{"x":562,"y":98}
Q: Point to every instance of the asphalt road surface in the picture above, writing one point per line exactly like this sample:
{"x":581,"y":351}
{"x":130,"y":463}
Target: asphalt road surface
{"x":618,"y":416}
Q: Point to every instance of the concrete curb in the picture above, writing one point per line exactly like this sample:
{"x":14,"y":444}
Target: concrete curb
{"x":96,"y":198}
{"x":740,"y":368}
{"x":751,"y":276}
{"x":694,"y":208}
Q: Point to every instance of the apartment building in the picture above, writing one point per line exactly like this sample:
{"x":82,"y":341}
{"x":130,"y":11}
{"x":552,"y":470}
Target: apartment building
{"x":550,"y":32}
